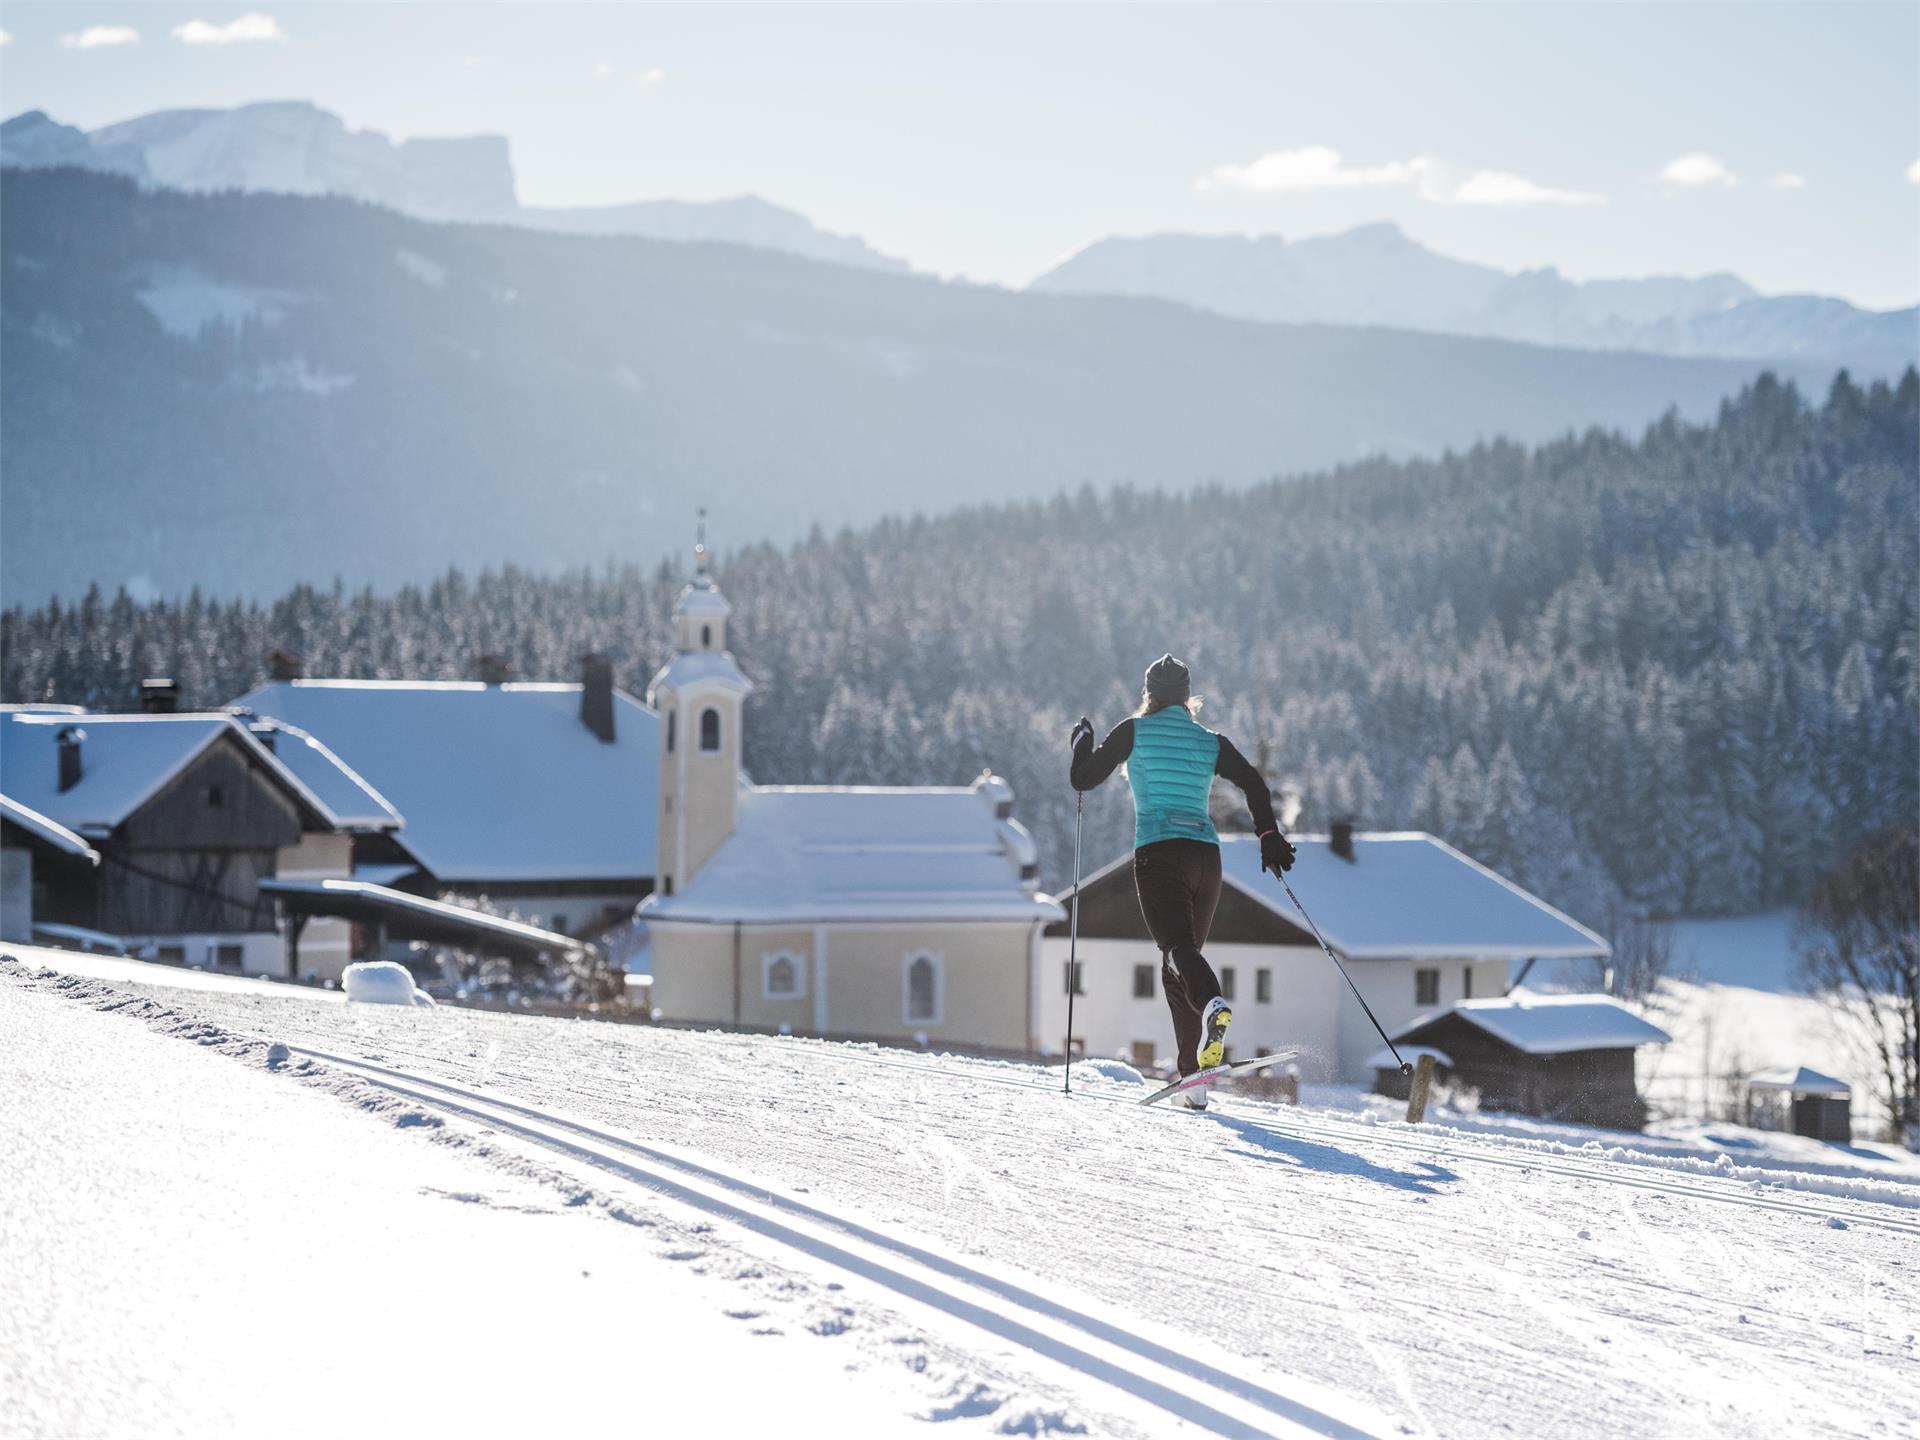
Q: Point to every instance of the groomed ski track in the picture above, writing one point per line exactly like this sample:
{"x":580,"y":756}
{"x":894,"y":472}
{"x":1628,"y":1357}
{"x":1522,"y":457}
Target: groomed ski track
{"x":1447,"y":1282}
{"x":1148,"y":1371}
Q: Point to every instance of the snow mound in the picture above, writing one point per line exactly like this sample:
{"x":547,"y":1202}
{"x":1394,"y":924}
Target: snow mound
{"x":382,"y":982}
{"x":1109,"y":1070}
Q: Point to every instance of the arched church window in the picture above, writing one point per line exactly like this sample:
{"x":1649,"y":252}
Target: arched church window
{"x":706,"y":637}
{"x":709,"y":729}
{"x":672,"y":715}
{"x":923,"y":988}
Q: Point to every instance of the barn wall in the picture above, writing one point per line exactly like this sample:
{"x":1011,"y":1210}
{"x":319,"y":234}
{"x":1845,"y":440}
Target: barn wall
{"x":221,"y":801}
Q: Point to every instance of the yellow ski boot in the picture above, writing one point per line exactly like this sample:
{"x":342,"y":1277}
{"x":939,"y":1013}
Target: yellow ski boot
{"x":1213,"y":1032}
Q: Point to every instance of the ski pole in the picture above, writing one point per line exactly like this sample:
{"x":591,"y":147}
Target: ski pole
{"x":1405,"y":1068}
{"x":1073,"y":939}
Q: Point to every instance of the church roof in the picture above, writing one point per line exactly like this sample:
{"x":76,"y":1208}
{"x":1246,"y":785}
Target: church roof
{"x":699,"y":667}
{"x":821,"y":855}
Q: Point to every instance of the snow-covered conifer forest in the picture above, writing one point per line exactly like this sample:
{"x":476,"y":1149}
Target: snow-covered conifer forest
{"x":1673,"y":673}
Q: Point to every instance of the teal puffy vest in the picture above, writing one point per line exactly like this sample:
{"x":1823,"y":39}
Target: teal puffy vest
{"x":1171,"y":772}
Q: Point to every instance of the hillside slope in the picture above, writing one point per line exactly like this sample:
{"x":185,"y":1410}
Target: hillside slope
{"x":1259,"y":1271}
{"x":239,"y":391}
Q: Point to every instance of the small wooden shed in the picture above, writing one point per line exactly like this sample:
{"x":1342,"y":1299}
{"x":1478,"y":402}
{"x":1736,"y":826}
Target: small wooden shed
{"x":1817,"y":1105}
{"x":1563,"y":1057}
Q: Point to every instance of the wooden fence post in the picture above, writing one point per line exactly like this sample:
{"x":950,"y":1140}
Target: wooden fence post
{"x":1417,"y":1092}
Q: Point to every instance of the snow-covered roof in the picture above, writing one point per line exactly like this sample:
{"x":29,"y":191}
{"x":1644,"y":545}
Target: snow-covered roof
{"x":1405,"y":895}
{"x":1799,"y":1081}
{"x":50,"y":832}
{"x":1539,"y":1024}
{"x":125,"y":761}
{"x":358,"y":805}
{"x":700,"y":667}
{"x":803,"y":855}
{"x":496,"y":783}
{"x":702,"y":597}
{"x":461,"y":916}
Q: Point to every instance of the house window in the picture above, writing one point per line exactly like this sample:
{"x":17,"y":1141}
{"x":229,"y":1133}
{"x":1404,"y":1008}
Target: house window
{"x":216,"y":797}
{"x":1073,"y":977}
{"x":1263,"y":985}
{"x":922,"y":988}
{"x":1466,"y":982}
{"x":782,"y":975}
{"x":1142,"y":1054}
{"x":672,"y":715}
{"x":1226,"y":982}
{"x":1143,"y":982}
{"x":227,"y":957}
{"x":709,"y":729}
{"x":171,"y":954}
{"x":1426,"y":987}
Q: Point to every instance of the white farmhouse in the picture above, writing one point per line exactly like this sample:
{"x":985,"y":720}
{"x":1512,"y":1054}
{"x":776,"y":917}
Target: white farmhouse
{"x":896,"y":914}
{"x":1418,"y":924}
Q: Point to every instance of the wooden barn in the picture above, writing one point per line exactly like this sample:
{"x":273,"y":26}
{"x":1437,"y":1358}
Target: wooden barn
{"x":187,"y":815}
{"x":1562,"y":1057}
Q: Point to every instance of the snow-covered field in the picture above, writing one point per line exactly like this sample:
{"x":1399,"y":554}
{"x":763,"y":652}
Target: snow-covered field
{"x":796,"y":1237}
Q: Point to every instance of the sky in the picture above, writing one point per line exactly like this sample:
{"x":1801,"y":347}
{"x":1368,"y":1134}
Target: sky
{"x":1779,"y":142}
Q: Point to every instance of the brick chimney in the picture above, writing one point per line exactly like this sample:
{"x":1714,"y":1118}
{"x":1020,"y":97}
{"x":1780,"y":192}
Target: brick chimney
{"x":596,"y":696}
{"x":159,"y":696}
{"x":1341,"y":842}
{"x":493,"y":669}
{"x":69,"y":741}
{"x":285,"y":664}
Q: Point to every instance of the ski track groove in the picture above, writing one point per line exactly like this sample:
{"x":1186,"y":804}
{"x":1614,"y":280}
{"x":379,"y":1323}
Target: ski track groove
{"x":1221,"y":1393}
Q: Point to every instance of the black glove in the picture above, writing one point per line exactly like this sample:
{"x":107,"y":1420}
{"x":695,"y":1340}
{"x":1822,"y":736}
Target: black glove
{"x":1276,"y":852}
{"x":1082,"y":733}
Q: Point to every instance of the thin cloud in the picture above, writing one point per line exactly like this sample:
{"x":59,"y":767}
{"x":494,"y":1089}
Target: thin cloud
{"x":1499,"y":187}
{"x":1787,"y":180}
{"x":1913,"y":173}
{"x":6,"y":38}
{"x":247,"y":29}
{"x":1320,"y":167}
{"x":607,"y":70}
{"x":1697,"y":169}
{"x":1311,"y":167}
{"x":95,"y":37}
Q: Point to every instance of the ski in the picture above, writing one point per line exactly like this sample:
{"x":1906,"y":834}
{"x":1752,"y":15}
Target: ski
{"x":1218,"y":1072}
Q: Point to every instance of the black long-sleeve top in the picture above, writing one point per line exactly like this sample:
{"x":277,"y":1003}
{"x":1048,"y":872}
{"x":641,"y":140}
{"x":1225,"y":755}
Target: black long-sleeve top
{"x":1093,"y":764}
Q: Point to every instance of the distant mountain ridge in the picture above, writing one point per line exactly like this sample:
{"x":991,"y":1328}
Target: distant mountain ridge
{"x":243,"y":390}
{"x":1377,"y":275}
{"x":293,"y":147}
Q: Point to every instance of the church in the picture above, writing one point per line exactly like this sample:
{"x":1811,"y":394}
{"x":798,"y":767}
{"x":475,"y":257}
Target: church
{"x":901,"y":914}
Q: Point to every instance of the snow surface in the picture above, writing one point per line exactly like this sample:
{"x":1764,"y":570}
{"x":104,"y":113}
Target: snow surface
{"x":495,"y":782}
{"x":1483,"y":1275}
{"x":1405,"y":895}
{"x":1798,"y":1081}
{"x":801,"y":854}
{"x":381,"y":982}
{"x":352,"y":800}
{"x":1540,"y":1024}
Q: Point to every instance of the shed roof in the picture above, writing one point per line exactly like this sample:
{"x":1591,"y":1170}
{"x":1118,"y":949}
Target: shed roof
{"x":1537,"y":1024}
{"x":801,"y":854}
{"x":413,"y":916}
{"x":1799,"y":1081}
{"x":1404,"y":895}
{"x":497,"y":783}
{"x":125,"y":761}
{"x":49,"y":832}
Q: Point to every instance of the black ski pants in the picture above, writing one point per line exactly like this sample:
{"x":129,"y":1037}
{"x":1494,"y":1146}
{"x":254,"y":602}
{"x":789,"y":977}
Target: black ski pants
{"x":1179,"y":886}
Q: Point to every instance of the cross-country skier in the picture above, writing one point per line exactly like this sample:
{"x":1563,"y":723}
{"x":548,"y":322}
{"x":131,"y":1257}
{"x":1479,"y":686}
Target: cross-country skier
{"x":1171,"y":760}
